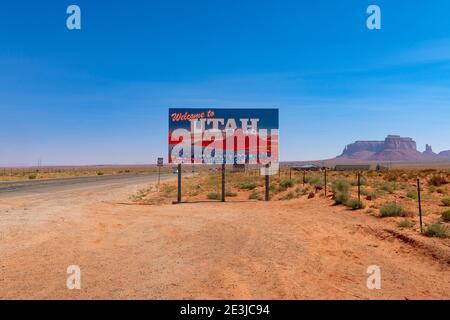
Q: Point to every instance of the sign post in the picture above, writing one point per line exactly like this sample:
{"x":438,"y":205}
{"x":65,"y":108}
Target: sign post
{"x":179,"y":183}
{"x":160,"y":164}
{"x":223,"y":182}
{"x":267,"y":196}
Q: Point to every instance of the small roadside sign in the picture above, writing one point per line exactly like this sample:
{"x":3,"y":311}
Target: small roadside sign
{"x":160,"y":163}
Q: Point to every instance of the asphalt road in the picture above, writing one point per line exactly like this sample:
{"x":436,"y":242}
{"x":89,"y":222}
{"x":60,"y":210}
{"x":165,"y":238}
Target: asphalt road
{"x":19,"y":188}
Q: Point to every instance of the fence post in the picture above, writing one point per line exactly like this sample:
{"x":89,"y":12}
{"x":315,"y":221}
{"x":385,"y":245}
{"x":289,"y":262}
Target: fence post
{"x":223,"y":182}
{"x":179,"y":183}
{"x":325,"y":182}
{"x":304,"y":181}
{"x":359,"y":187}
{"x":290,"y":173}
{"x":420,"y":205}
{"x":267,"y":183}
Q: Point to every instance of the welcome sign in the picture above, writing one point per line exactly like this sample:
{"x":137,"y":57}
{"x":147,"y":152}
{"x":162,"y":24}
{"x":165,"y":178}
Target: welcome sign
{"x":217,"y":136}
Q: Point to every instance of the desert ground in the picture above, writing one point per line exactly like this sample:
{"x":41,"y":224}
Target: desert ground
{"x":131,"y":242}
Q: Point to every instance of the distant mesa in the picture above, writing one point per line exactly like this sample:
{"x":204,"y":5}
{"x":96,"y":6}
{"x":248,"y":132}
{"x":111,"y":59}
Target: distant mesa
{"x":392,"y":149}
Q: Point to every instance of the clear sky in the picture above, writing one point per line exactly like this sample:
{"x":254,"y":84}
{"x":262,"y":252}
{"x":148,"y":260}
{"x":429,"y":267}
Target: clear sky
{"x":101,"y":94}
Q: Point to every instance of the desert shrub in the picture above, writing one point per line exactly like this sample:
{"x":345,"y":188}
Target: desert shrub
{"x":213,"y":196}
{"x":362,"y":181}
{"x":403,"y":186}
{"x":438,"y":230}
{"x":254,"y":196}
{"x":355,"y":204}
{"x":341,"y":198}
{"x":392,"y":176}
{"x":374,"y":195}
{"x":432,"y":189}
{"x":405,"y":224}
{"x":140,"y":195}
{"x":437,"y":180}
{"x":230,"y":194}
{"x":247,"y":185}
{"x":32,"y":176}
{"x":99,"y":173}
{"x":412,"y":195}
{"x":364,"y":192}
{"x":304,"y":191}
{"x":388,"y":187}
{"x":168,"y":190}
{"x":291,"y":195}
{"x":446,"y":216}
{"x":446,"y":201}
{"x":391,"y":209}
{"x":287,"y":183}
{"x":340,"y":186}
{"x":315,"y":181}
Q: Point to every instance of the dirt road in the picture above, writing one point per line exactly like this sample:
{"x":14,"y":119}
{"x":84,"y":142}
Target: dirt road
{"x":299,"y":249}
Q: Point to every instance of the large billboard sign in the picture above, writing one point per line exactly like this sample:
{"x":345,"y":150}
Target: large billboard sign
{"x":217,"y":136}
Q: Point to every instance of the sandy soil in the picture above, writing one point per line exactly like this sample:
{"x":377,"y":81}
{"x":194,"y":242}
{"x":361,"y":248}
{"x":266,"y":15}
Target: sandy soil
{"x":298,"y":249}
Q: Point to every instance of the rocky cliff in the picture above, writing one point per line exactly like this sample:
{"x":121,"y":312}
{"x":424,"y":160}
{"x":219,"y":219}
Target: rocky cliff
{"x":393,"y":148}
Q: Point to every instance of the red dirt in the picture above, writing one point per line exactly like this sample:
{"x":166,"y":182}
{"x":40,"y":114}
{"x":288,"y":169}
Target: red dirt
{"x":299,"y":249}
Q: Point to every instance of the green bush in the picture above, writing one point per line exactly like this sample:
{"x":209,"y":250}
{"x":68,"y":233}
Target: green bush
{"x":412,"y":195}
{"x":362,"y":182}
{"x":446,"y":216}
{"x":247,"y":185}
{"x":214,"y":196}
{"x":32,"y":176}
{"x":315,"y":181}
{"x":374,"y":195}
{"x":446,"y":201}
{"x":254,"y":196}
{"x":231,"y":194}
{"x":100,"y":173}
{"x":388,"y":187}
{"x":438,"y":230}
{"x":391,"y":209}
{"x":340,"y":186}
{"x":437,"y":181}
{"x":341,"y":198}
{"x":364,"y":192}
{"x":405,"y":224}
{"x":355,"y":204}
{"x":287,"y":183}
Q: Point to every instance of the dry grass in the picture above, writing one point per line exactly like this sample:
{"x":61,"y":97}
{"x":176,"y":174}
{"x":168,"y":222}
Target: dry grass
{"x":380,"y":188}
{"x":32,"y":173}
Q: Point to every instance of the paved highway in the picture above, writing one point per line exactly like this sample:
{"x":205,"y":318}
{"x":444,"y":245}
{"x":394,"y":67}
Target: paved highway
{"x":26,"y":187}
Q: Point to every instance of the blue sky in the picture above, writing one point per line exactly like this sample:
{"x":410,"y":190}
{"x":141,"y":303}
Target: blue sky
{"x":101,"y":94}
